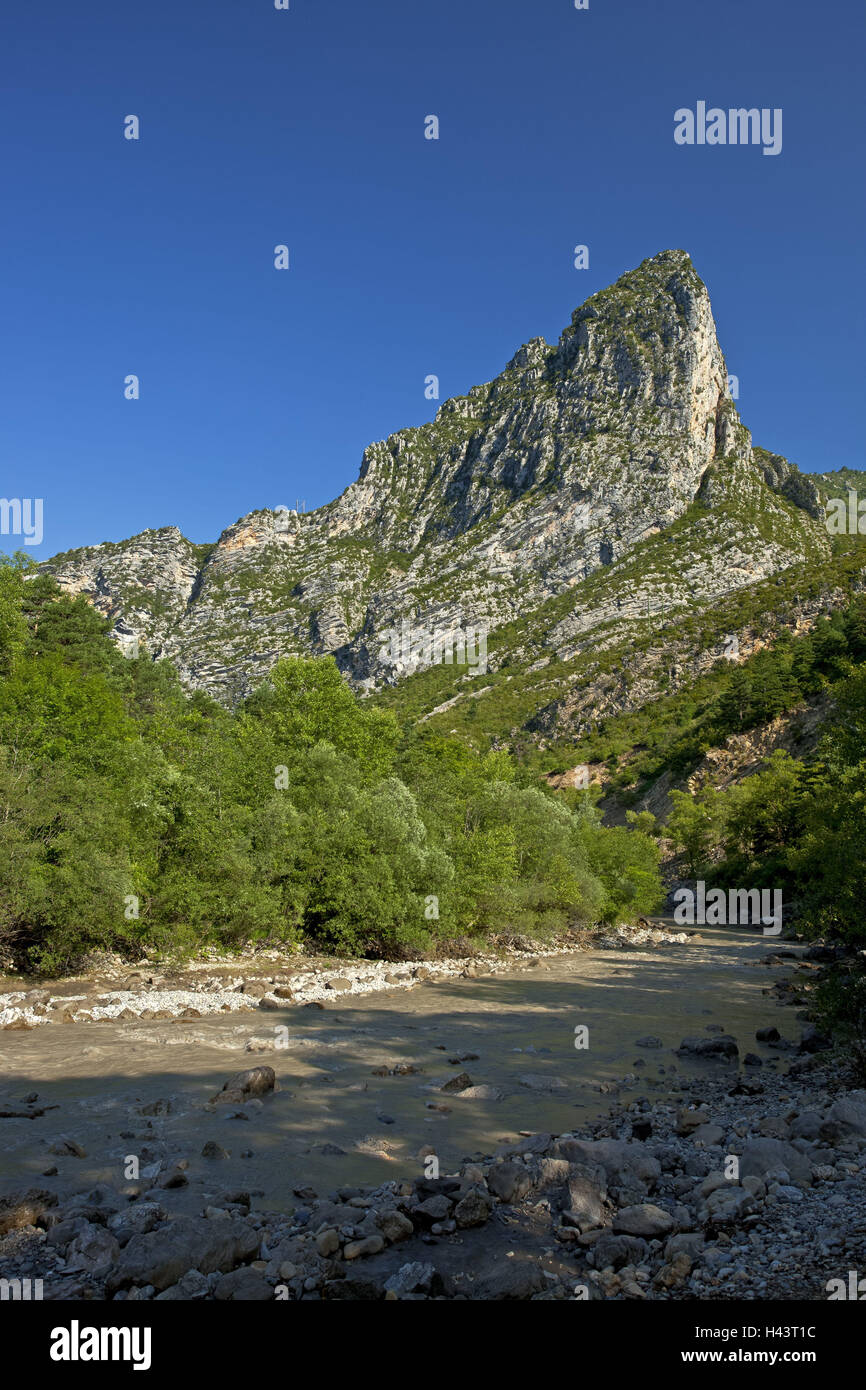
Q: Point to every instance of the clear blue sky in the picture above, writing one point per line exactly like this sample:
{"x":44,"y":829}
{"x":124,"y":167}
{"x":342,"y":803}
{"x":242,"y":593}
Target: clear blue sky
{"x":408,"y":256}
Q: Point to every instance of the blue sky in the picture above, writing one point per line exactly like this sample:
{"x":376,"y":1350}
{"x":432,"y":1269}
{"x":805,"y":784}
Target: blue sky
{"x":408,"y":256}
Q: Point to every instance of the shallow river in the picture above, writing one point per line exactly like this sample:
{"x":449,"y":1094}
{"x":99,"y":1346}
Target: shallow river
{"x":520,"y":1024}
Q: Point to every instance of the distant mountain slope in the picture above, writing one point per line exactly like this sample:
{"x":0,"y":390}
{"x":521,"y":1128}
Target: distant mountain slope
{"x":594,"y":490}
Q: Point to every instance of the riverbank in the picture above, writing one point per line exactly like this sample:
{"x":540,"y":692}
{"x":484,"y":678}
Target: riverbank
{"x":269,"y":980}
{"x":599,"y":1171}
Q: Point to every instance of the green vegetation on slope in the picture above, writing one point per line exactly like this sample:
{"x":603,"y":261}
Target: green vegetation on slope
{"x":673,"y":734}
{"x":134,"y":816}
{"x":512,"y":693}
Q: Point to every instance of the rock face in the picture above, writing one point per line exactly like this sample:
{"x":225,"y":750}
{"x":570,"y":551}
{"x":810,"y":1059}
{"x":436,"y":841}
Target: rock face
{"x":593,"y":485}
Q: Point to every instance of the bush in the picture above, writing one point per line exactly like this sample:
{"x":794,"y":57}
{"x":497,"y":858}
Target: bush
{"x":840,"y":1006}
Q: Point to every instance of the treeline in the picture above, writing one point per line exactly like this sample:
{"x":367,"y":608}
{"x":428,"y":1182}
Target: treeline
{"x":798,"y":826}
{"x":134,"y":815}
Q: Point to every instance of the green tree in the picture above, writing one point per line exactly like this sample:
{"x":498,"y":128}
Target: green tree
{"x":696,"y":826}
{"x":13,"y":626}
{"x":306,"y":701}
{"x":829,"y":854}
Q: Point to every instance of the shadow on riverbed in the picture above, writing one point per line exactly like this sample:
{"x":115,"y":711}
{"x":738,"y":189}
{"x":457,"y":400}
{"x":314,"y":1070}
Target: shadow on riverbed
{"x":333,"y":1121}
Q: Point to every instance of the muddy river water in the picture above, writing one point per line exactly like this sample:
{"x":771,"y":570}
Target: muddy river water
{"x":332,"y":1120}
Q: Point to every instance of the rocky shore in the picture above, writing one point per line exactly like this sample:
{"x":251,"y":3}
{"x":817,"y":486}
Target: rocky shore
{"x":745,"y":1182}
{"x":266,"y":980}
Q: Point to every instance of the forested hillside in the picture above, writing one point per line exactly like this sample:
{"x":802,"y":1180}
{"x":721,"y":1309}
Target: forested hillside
{"x":136,"y":815}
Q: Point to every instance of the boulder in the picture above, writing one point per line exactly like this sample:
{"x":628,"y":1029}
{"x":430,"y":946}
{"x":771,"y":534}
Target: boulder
{"x":432,"y":1209}
{"x":690,"y":1120}
{"x":586,"y":1193}
{"x":161,"y":1257}
{"x":618,"y":1250}
{"x":370,"y":1245}
{"x":93,"y":1250}
{"x":646,"y":1220}
{"x":509,"y":1181}
{"x":729,"y":1204}
{"x":762,"y":1156}
{"x":394,"y":1225}
{"x":720,"y":1046}
{"x":461,"y":1082}
{"x":473,"y":1209}
{"x":623,"y":1163}
{"x":255,"y":1081}
{"x":846,"y":1118}
{"x":708,"y":1136}
{"x":807,"y":1126}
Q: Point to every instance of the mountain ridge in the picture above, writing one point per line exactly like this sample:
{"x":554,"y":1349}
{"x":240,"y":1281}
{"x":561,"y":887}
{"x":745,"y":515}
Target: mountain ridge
{"x":613,"y":458}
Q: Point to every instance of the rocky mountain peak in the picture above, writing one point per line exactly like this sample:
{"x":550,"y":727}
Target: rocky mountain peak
{"x":540,"y":487}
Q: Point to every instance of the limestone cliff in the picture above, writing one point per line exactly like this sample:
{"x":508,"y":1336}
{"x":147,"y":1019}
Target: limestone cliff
{"x":595,"y":485}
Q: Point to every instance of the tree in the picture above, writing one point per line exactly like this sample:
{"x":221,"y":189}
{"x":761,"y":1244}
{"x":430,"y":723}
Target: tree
{"x":829,"y":855}
{"x":763,"y":818}
{"x":306,"y":701}
{"x":13,"y":627}
{"x":735,"y":703}
{"x":696,"y":826}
